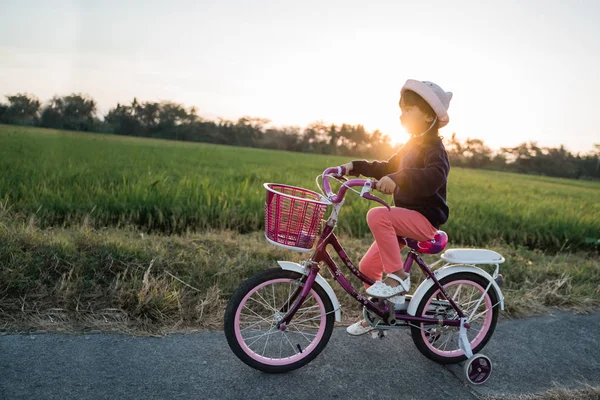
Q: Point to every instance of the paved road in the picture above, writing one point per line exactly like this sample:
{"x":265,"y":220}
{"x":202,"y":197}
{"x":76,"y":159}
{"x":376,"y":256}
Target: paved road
{"x":529,"y":355}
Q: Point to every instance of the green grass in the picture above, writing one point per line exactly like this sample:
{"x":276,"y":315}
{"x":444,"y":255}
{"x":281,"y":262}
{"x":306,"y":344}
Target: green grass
{"x":65,"y":179}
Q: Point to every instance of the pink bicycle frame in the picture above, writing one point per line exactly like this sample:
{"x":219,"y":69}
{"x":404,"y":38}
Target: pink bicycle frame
{"x":320,"y":255}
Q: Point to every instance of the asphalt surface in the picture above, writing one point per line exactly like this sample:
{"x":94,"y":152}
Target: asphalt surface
{"x":529,"y":355}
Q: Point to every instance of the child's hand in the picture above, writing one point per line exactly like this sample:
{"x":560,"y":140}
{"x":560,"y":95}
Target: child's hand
{"x":386,"y":185}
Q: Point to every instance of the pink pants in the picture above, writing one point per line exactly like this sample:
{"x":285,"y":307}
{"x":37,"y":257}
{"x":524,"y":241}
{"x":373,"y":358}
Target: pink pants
{"x":386,"y":226}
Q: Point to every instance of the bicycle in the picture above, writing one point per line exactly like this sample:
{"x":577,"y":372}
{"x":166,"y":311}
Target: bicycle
{"x":281,"y":319}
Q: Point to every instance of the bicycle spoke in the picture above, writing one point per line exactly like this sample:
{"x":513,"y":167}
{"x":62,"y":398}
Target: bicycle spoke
{"x":306,"y":326}
{"x":480,"y":314}
{"x":257,"y":339}
{"x":253,"y":312}
{"x":251,"y":318}
{"x":288,"y":340}
{"x":303,"y":334}
{"x":266,"y":303}
{"x":465,"y":305}
{"x":310,"y":319}
{"x":270,"y":332}
{"x":307,"y":308}
{"x":305,"y":311}
{"x":268,"y":307}
{"x":455,"y":297}
{"x":266,"y":341}
{"x":446,"y":342}
{"x":474,"y":298}
{"x":280,"y":344}
{"x":254,"y":324}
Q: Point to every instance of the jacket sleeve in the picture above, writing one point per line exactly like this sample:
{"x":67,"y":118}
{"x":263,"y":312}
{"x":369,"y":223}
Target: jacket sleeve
{"x":376,"y":169}
{"x":426,"y":181}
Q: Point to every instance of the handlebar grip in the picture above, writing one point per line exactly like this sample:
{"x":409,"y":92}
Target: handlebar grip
{"x":341,"y":175}
{"x":339,"y":171}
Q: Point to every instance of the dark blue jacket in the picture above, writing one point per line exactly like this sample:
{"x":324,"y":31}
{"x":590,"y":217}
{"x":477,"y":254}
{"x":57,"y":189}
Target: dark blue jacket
{"x":421,"y":174}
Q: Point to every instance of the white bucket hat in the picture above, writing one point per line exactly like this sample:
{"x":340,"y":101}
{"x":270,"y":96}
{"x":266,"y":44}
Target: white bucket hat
{"x":433,"y":95}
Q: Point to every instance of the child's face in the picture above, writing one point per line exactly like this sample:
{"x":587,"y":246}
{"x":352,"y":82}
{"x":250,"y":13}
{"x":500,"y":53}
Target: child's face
{"x":413,"y":119}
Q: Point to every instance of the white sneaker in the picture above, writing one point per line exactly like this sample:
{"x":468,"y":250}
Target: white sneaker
{"x":383,"y":290}
{"x":356,"y":329}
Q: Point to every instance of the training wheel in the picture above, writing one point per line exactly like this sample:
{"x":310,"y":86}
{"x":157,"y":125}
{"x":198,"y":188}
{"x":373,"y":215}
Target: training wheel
{"x":478,"y":369}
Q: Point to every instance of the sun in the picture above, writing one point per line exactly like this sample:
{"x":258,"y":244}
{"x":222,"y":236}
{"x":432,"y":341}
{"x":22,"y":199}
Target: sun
{"x":399,"y":135}
{"x":393,"y":130}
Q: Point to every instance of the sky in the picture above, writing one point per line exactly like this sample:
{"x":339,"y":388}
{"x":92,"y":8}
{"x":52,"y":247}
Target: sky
{"x":519,"y":70}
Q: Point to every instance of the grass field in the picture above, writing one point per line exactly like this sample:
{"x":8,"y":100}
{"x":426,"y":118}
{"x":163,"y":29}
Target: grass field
{"x":73,"y":256}
{"x":64,"y":179}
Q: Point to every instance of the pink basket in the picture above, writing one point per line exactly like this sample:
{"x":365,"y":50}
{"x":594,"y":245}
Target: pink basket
{"x":293,"y":216}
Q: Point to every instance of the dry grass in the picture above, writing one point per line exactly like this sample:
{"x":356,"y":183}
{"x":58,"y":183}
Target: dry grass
{"x":123,"y":280}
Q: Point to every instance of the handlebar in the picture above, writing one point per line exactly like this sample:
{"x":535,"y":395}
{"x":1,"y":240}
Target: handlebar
{"x":366,"y":184}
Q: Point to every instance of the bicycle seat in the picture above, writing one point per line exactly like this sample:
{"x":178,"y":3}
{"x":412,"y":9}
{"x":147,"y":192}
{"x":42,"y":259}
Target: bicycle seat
{"x":433,"y":246}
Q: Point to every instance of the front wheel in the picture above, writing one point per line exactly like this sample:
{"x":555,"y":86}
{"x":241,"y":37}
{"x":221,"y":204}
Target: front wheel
{"x":440,"y":343}
{"x":254,"y":310}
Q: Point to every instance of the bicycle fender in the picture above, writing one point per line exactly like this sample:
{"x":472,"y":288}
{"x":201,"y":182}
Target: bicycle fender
{"x":447,"y":271}
{"x":319,"y":280}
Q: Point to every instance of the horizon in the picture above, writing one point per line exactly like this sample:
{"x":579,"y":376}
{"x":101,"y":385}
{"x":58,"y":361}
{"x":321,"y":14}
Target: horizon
{"x":519,"y":72}
{"x":271,"y":125}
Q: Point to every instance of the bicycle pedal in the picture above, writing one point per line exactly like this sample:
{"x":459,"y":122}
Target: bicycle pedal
{"x":380,"y":333}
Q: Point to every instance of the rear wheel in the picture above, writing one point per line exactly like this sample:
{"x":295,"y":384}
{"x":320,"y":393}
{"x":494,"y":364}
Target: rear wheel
{"x":440,"y":343}
{"x":254,"y":310}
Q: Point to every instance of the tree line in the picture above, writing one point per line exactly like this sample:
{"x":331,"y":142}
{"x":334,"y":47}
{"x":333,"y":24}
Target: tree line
{"x":169,"y":120}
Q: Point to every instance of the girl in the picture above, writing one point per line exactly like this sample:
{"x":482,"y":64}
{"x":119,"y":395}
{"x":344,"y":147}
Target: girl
{"x":417,"y":175}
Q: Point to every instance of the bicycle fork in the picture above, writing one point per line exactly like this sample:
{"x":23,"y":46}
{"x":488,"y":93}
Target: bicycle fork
{"x":298,"y":297}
